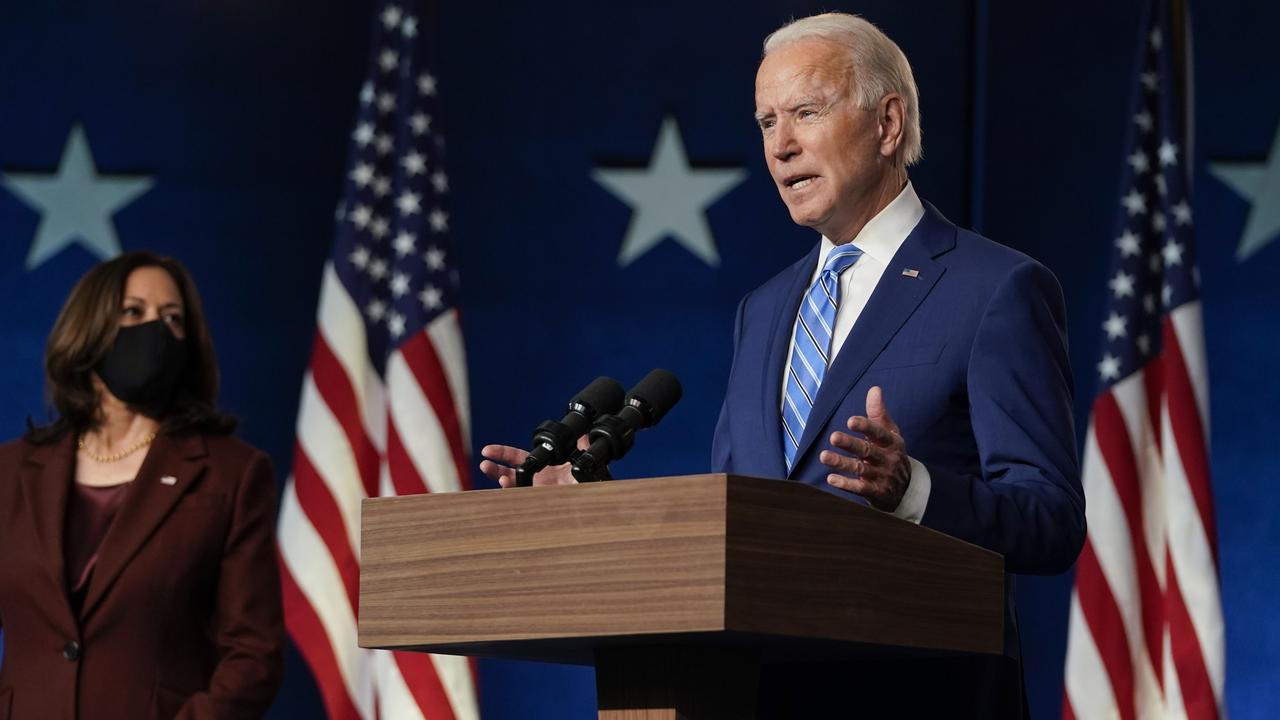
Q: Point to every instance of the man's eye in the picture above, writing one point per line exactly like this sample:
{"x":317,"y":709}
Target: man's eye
{"x":808,"y":113}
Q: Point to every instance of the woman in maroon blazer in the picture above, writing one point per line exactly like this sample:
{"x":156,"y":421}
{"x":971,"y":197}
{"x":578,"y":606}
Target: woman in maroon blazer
{"x":138,"y":576}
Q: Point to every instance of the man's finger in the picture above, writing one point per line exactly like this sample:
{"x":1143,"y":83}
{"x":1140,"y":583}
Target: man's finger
{"x":495,"y":471}
{"x":855,"y":485}
{"x":842,"y":463}
{"x":504,"y":454}
{"x":858,"y":447}
{"x":876,"y":432}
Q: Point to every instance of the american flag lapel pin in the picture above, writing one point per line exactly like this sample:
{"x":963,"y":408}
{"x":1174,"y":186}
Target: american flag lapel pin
{"x":911,"y":272}
{"x":168,"y":480}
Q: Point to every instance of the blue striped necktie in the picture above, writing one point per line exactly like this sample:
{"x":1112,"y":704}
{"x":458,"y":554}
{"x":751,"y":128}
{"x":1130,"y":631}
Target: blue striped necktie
{"x":811,"y":355}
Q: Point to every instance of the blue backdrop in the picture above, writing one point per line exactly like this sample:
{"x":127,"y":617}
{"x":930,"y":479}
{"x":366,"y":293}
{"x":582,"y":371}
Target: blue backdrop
{"x":238,"y":114}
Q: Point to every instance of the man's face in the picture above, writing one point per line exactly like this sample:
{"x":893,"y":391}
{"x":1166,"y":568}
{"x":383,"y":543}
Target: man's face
{"x":822,"y":150}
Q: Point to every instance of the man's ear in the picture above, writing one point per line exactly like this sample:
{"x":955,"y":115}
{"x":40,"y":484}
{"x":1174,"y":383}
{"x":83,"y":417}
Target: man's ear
{"x":891,"y":117}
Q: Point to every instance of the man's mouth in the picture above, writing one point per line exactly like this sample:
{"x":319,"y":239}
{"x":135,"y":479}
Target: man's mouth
{"x":798,"y":182}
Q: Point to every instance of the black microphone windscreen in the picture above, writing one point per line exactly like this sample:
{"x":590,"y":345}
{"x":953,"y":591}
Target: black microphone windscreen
{"x":604,"y":396}
{"x":660,"y":390}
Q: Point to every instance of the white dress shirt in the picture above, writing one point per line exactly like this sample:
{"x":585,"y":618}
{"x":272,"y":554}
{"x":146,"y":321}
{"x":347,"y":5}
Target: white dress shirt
{"x":879,"y":240}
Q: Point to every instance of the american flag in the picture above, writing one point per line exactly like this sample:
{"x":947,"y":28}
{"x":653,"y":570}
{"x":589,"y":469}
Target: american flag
{"x":1146,"y":628}
{"x":384,"y":407}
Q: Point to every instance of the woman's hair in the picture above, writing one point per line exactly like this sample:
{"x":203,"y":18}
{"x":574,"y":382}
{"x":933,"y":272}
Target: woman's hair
{"x":86,"y":329}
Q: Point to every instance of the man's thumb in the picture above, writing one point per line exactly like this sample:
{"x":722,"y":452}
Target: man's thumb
{"x":875,"y":405}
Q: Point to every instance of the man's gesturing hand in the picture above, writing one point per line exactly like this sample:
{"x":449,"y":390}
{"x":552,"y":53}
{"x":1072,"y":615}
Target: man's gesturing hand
{"x":876,"y":467}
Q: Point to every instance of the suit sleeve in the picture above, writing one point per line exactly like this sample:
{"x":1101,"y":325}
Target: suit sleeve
{"x":249,"y":631}
{"x":1028,"y":503}
{"x":721,"y":445}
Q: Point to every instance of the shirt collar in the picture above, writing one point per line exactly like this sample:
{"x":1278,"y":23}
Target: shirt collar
{"x":881,"y":237}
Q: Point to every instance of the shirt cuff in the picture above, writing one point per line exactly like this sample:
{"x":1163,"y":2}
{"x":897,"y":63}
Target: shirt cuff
{"x":916,"y":497}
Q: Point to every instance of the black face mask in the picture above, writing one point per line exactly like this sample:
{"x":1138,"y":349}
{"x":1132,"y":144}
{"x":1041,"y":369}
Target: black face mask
{"x":142,"y":368}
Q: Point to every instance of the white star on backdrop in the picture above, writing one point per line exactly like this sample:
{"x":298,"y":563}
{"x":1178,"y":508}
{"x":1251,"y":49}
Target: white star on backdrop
{"x":669,"y":199}
{"x":1259,"y":183}
{"x":75,"y":203}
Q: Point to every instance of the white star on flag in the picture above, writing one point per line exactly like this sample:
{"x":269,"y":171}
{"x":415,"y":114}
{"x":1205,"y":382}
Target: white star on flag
{"x":1182,"y":213}
{"x":395,"y":324}
{"x":414,"y":163}
{"x":440,"y":181}
{"x":399,"y":284}
{"x":1115,"y":326}
{"x":408,"y":203}
{"x":360,"y":256}
{"x":1134,"y":202}
{"x":362,"y":174}
{"x":1128,"y":244}
{"x":1109,"y":368}
{"x":391,"y":16}
{"x":434,"y":258}
{"x":404,"y":243}
{"x":430,"y":297}
{"x":1122,"y":284}
{"x":1138,"y":160}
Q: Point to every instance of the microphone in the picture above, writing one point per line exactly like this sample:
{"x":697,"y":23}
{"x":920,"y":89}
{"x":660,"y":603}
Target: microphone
{"x":612,"y":436}
{"x":554,"y":442}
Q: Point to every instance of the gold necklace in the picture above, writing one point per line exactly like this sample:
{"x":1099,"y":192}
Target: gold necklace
{"x":115,"y":456}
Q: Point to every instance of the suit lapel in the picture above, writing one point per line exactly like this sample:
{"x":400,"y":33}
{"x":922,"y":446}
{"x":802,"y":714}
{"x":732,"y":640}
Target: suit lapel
{"x":775,"y":366}
{"x":171,"y":468}
{"x":892,"y":302}
{"x":46,"y":483}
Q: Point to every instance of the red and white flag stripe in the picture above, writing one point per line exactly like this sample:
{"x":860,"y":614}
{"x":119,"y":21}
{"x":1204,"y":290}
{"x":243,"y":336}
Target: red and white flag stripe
{"x":1146,"y":635}
{"x":358,"y":438}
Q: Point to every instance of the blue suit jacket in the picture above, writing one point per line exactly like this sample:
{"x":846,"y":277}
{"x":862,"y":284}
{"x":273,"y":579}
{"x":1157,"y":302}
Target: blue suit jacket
{"x":971,"y":356}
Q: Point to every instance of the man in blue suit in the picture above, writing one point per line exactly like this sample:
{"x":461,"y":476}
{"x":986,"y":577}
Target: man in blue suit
{"x":903,"y":362}
{"x":961,"y":337}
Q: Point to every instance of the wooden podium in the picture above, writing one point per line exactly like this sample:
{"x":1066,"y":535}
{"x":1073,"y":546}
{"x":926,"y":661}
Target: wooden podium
{"x":678,"y":590}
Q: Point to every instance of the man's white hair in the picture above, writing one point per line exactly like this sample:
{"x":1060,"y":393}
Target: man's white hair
{"x":879,"y":66}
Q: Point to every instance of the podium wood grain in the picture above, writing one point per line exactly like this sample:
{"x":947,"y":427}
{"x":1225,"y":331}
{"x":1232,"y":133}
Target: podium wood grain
{"x":555,"y":572}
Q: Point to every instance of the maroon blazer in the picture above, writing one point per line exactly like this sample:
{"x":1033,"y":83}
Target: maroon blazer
{"x":182,"y":616}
